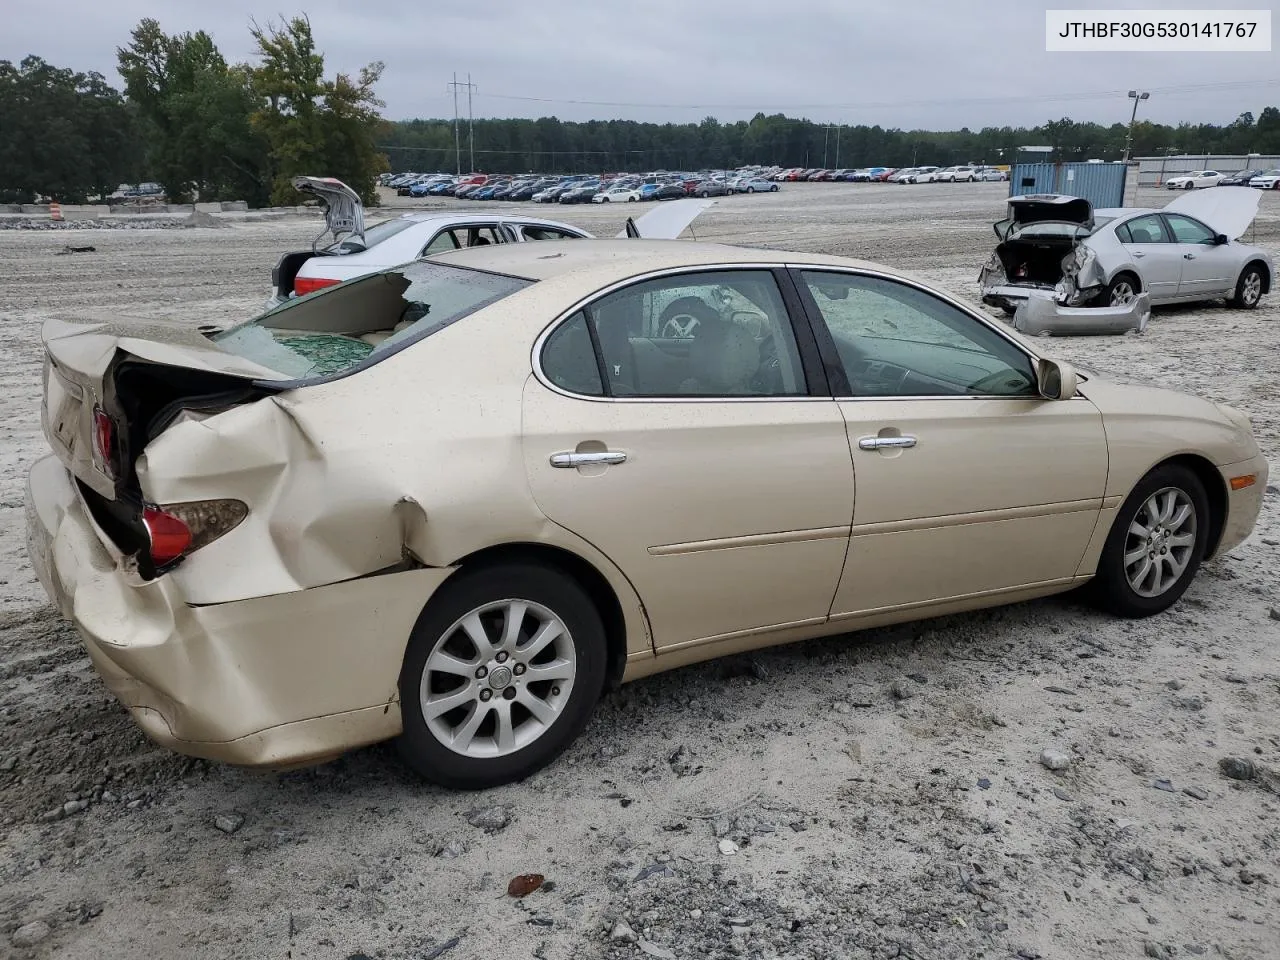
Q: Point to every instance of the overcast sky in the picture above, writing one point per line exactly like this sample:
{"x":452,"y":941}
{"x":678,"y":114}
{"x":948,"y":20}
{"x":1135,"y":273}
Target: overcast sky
{"x":939,"y":64}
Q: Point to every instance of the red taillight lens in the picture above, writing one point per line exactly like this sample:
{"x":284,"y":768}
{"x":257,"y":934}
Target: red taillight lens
{"x":169,"y":536}
{"x":104,"y":441}
{"x":177,"y":529}
{"x":304,"y":285}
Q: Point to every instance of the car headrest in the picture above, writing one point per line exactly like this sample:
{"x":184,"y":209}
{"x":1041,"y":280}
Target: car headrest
{"x":724,"y":357}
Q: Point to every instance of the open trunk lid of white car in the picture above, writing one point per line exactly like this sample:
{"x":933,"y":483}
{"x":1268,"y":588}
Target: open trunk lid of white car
{"x":343,"y":211}
{"x":1228,"y":210}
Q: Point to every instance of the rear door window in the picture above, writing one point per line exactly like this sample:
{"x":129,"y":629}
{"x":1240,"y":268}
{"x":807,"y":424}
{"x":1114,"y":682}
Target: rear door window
{"x":1145,"y":229}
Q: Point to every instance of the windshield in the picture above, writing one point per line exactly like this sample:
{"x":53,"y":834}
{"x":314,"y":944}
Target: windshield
{"x":373,"y":235}
{"x":354,"y":324}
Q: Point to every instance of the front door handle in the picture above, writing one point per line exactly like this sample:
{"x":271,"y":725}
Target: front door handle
{"x":1188,"y":256}
{"x":571,"y":459}
{"x":882,"y":443}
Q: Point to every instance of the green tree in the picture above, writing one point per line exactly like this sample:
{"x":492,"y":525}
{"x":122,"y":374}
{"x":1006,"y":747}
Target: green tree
{"x":312,"y":125}
{"x":197,"y":110}
{"x":66,"y":135}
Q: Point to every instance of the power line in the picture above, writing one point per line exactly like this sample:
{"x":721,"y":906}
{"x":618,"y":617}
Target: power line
{"x":863,"y":104}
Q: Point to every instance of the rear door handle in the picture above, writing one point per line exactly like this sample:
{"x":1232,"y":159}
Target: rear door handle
{"x":882,"y":443}
{"x":571,"y":459}
{"x":1138,"y":254}
{"x":1188,"y":256}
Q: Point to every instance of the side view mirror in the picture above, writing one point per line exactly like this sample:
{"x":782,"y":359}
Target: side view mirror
{"x":1220,"y":239}
{"x":1056,"y":379}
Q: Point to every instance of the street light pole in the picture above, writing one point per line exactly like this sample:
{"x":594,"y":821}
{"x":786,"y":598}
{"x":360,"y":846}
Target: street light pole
{"x":1135,"y":96}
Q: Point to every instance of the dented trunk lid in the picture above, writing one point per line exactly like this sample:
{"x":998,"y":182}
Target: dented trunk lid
{"x":83,"y":368}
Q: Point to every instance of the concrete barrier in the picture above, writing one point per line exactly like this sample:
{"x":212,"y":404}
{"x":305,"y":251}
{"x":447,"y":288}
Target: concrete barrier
{"x":213,"y":207}
{"x":36,"y":209}
{"x":150,"y":209}
{"x":10,"y":208}
{"x":234,"y":206}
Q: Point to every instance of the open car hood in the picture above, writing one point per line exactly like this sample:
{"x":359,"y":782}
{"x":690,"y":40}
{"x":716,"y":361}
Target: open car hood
{"x":343,"y":211}
{"x":1228,"y":210}
{"x":666,"y":221}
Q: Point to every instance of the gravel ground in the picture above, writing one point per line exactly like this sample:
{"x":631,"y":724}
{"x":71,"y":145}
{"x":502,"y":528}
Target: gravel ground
{"x":885,"y":794}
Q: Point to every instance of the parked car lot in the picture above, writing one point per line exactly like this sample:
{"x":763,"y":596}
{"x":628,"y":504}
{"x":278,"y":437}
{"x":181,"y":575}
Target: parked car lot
{"x":922,"y":743}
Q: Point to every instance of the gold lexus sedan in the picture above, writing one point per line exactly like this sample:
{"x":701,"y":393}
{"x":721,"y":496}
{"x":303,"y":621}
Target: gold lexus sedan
{"x":454,"y":502}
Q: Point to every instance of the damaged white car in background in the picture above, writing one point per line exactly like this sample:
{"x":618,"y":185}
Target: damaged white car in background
{"x":1063,"y":267}
{"x":356,"y":250}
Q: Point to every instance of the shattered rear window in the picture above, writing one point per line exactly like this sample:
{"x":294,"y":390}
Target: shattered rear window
{"x":343,"y":328}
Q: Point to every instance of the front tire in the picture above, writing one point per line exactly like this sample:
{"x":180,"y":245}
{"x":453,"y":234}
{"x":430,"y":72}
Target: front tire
{"x":1248,"y":288}
{"x":1156,"y":544}
{"x":774,"y":188}
{"x":502,"y":671}
{"x":751,"y":189}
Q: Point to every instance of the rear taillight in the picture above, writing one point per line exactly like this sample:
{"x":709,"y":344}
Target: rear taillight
{"x":104,"y":442}
{"x":304,"y":285}
{"x":175,"y":530}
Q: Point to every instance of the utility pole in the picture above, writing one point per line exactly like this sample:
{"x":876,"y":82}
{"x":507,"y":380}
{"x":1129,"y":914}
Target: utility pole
{"x":826,"y":136}
{"x":471,"y":124}
{"x":457,"y":140}
{"x":457,"y":144}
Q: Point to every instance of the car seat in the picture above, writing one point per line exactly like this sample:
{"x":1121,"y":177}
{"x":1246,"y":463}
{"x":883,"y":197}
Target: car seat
{"x":723,"y":359}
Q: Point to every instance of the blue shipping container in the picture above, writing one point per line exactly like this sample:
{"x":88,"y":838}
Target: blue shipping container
{"x":1102,"y":184}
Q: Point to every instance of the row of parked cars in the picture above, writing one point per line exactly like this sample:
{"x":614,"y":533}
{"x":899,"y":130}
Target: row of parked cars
{"x":581,"y":188}
{"x":960,"y":173}
{"x":1197,"y":179}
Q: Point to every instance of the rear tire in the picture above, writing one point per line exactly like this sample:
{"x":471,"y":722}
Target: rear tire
{"x":751,"y":189}
{"x":1155,"y":545}
{"x":463,"y":747}
{"x":1248,"y":288}
{"x":1121,"y":290}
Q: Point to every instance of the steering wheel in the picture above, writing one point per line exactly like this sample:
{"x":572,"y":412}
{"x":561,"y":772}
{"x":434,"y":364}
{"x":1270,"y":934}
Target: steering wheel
{"x":681,"y":318}
{"x":1000,"y":384}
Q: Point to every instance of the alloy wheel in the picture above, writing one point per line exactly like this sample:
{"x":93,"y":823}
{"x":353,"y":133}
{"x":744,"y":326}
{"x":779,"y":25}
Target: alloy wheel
{"x":498,"y":678}
{"x":1122,"y":294}
{"x":1251,"y":292}
{"x":1160,"y":542}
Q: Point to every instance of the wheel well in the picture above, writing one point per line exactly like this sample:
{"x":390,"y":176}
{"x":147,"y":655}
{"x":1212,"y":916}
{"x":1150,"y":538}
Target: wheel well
{"x":1137,"y":280}
{"x":585,"y":575}
{"x":1266,"y":274}
{"x":1214,"y":489}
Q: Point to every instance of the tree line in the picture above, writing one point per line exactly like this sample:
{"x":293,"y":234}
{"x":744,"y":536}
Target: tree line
{"x":555,"y":146}
{"x":208,"y":129}
{"x":185,"y":118}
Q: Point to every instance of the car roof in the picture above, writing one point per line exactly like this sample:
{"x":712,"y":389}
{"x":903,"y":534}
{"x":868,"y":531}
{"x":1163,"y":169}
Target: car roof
{"x":544,"y":259}
{"x":447,"y":218}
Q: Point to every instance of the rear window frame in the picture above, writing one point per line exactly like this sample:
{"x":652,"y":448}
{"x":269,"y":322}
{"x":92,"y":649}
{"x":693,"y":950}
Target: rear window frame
{"x":374,"y":357}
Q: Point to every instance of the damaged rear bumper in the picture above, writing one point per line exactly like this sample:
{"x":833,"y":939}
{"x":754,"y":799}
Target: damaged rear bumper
{"x":271,"y":681}
{"x":1043,"y":316}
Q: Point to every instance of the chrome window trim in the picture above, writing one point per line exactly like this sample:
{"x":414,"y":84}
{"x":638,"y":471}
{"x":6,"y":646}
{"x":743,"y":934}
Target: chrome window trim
{"x":541,"y":377}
